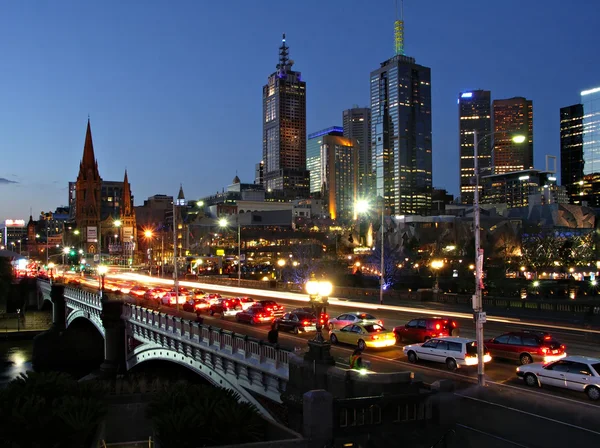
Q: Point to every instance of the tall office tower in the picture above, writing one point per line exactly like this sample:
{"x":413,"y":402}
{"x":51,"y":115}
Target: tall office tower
{"x":512,"y":117}
{"x":333,"y":163}
{"x":357,"y":125}
{"x":571,"y":150}
{"x":580,"y":146}
{"x":284,"y":130}
{"x":474,"y":114}
{"x":401,"y":132}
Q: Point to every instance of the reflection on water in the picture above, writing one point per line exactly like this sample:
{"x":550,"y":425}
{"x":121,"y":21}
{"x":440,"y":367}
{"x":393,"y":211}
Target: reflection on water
{"x":15,"y":358}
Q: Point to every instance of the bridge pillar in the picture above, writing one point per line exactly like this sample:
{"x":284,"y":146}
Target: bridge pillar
{"x":59,"y":309}
{"x":114,"y":337}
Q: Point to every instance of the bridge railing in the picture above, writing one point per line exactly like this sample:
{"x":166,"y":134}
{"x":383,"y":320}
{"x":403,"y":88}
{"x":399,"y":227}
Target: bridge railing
{"x":251,"y":349}
{"x":85,"y":297}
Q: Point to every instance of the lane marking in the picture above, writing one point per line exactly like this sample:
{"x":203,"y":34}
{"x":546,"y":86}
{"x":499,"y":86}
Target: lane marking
{"x":492,"y":435}
{"x":339,"y":302}
{"x":509,"y":408}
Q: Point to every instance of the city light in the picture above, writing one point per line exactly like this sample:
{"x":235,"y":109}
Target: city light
{"x":518,"y":138}
{"x":589,"y":92}
{"x":467,"y":95}
{"x":223,"y":222}
{"x":148,"y":233}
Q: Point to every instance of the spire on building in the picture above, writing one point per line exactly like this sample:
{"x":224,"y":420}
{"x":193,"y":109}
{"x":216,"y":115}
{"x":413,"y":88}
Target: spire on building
{"x":399,"y":30}
{"x":180,"y":195}
{"x":285,"y":63}
{"x":126,"y":205}
{"x":89,"y":162}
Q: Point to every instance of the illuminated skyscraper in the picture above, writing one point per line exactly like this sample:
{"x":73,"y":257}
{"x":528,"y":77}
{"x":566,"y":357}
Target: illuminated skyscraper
{"x":474,"y":114}
{"x":357,"y":125}
{"x":401,"y":131}
{"x":580,"y":149}
{"x":512,"y":117}
{"x":284,"y":130}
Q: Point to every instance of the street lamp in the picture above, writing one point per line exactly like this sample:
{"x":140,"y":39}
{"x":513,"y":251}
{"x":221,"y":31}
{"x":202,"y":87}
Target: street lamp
{"x":19,"y":241}
{"x":318,"y":293}
{"x":148,"y":235}
{"x":281,"y":263}
{"x":51,"y":269}
{"x":65,"y":251}
{"x":102,"y":270}
{"x":477,"y":300}
{"x":224,"y":223}
{"x":436,"y":265}
{"x":362,"y":206}
{"x":117,"y":223}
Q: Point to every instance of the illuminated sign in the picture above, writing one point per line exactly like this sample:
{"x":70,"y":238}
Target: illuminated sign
{"x":467,"y":95}
{"x":589,"y":92}
{"x":14,"y":223}
{"x":221,"y":252}
{"x":92,"y":234}
{"x":523,"y":177}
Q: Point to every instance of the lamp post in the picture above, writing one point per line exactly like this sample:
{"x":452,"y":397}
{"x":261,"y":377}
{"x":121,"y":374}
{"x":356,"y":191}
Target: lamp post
{"x":102,"y":270}
{"x":117,"y":225}
{"x":360,"y":207}
{"x":51,"y":269}
{"x":478,"y":313}
{"x":436,"y":265}
{"x":281,"y":264}
{"x":19,"y":241}
{"x":65,"y":251}
{"x":318,"y":293}
{"x":224,"y":223}
{"x":148,"y":235}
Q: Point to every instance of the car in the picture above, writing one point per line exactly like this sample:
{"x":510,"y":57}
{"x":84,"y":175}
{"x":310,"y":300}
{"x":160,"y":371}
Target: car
{"x":225,"y":307}
{"x":212,"y":297}
{"x":308,"y":309}
{"x":246,"y":302}
{"x":137,"y":291}
{"x":272,"y":306}
{"x":194,"y":305}
{"x":353,"y":318}
{"x":256,"y":314}
{"x":363,"y":335}
{"x":455,"y":352}
{"x":578,"y":373}
{"x":296,"y":322}
{"x":155,"y":293}
{"x":172,"y":298}
{"x":425,"y":328}
{"x":197,"y":293}
{"x":526,"y":347}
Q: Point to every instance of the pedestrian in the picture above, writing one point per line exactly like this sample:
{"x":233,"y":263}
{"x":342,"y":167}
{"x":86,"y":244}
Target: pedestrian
{"x":356,"y":360}
{"x":273,"y":334}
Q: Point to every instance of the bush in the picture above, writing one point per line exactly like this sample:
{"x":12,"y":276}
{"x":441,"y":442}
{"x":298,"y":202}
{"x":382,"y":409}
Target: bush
{"x":49,"y":410}
{"x":190,"y":416}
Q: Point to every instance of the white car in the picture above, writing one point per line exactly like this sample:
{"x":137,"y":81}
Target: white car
{"x":353,"y":318}
{"x":171,"y":297}
{"x":455,"y":352}
{"x":572,"y":372}
{"x":246,"y":302}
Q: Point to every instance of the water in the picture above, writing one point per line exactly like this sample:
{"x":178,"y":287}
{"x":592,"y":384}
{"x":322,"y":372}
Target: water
{"x":15,"y":358}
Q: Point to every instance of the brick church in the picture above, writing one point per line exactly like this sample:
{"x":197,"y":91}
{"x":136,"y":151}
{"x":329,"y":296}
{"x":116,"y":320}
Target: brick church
{"x":106,"y":224}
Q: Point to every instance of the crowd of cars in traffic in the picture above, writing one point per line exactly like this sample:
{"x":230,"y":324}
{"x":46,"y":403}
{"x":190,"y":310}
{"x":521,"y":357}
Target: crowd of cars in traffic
{"x":541,"y":358}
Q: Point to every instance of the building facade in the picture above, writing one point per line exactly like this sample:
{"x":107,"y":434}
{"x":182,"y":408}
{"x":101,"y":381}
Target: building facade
{"x":357,"y":125}
{"x":571,"y":150}
{"x":512,"y":117}
{"x":284,"y":130}
{"x":313,"y":157}
{"x":474,"y":114}
{"x":401,"y":135}
{"x":516,"y":189}
{"x":339,"y":176}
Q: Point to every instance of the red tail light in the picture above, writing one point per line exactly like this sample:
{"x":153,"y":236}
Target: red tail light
{"x":453,"y":324}
{"x":226,"y":303}
{"x":438,"y":326}
{"x":380,"y":322}
{"x":544,"y":350}
{"x":305,"y":323}
{"x":547,"y":338}
{"x":375,"y":337}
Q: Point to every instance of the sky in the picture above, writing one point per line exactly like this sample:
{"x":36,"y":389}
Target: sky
{"x":174,"y":89}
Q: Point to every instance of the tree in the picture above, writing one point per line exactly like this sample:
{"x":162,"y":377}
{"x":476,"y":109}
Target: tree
{"x":50,"y":410}
{"x":188,"y":416}
{"x":304,"y":257}
{"x":392,"y":258}
{"x":6,"y":275}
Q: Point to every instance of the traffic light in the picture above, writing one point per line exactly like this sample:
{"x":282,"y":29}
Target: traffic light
{"x":72,"y":252}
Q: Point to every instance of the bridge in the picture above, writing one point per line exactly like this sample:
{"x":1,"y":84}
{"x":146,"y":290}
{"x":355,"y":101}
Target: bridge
{"x":134,"y":334}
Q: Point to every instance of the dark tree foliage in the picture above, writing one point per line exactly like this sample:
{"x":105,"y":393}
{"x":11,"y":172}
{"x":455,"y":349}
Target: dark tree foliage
{"x":50,"y":410}
{"x":5,"y":278}
{"x":392,"y":258}
{"x":190,"y":416}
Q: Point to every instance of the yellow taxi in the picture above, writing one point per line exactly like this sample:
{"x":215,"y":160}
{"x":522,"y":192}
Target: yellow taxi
{"x":363,"y":335}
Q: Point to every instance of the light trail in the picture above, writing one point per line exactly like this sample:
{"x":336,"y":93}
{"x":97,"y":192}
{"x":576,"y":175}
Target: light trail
{"x":338,"y":302}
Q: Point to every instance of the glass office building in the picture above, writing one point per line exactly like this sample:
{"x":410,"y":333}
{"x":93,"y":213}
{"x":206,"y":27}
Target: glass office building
{"x":357,"y":125}
{"x":513,"y":116}
{"x":313,"y":156}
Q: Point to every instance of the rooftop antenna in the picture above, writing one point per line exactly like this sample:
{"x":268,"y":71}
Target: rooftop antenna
{"x":399,"y":30}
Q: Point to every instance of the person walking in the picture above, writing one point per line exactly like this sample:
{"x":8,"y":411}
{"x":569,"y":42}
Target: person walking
{"x":273,"y":335}
{"x":356,"y":360}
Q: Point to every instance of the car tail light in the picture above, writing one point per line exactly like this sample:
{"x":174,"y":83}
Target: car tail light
{"x":375,"y":337}
{"x":380,"y":322}
{"x":544,"y":350}
{"x":453,"y":324}
{"x":305,"y":323}
{"x":547,"y":338}
{"x":438,"y":326}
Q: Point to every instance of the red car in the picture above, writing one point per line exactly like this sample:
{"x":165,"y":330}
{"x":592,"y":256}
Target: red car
{"x":271,"y":306}
{"x":425,"y":328}
{"x":307,"y":309}
{"x":194,"y":305}
{"x":526,"y":347}
{"x":225,"y":307}
{"x":256,"y":314}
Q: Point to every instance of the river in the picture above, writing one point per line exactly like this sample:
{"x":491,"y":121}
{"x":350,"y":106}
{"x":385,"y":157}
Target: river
{"x":15,"y":358}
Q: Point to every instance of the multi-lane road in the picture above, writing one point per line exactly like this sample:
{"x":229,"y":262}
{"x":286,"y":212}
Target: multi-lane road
{"x":505,"y":413}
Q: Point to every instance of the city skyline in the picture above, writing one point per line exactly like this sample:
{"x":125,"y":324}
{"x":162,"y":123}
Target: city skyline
{"x":154,"y":98}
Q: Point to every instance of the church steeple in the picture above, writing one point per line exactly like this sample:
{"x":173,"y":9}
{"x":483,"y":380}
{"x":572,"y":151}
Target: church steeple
{"x":89,"y":164}
{"x":126,"y":205}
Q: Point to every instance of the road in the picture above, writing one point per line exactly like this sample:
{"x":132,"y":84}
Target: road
{"x":505,"y":413}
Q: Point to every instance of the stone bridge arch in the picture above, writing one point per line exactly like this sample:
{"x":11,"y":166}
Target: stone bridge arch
{"x":95,"y":320}
{"x":155,"y":352}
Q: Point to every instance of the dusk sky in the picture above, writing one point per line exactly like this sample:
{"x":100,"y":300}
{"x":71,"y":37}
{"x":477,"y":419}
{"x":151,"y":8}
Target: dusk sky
{"x":174,"y":89}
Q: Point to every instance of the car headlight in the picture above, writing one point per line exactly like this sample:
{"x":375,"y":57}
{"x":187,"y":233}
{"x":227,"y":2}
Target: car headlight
{"x":518,"y":369}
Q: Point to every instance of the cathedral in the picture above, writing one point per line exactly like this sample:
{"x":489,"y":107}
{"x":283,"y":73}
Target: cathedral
{"x":106,"y":224}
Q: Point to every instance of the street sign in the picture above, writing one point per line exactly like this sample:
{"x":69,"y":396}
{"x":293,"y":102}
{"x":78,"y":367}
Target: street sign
{"x":96,"y":258}
{"x":482,"y":317}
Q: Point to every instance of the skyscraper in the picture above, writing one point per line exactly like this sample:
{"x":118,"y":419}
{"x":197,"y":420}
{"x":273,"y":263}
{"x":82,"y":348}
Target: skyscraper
{"x":580,"y":149}
{"x":474,"y":114}
{"x":401,"y":131}
{"x":357,"y":125}
{"x":333,"y":162}
{"x":512,"y":117}
{"x":284,"y":130}
{"x":571,"y":149}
